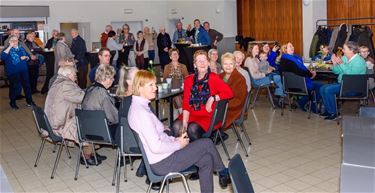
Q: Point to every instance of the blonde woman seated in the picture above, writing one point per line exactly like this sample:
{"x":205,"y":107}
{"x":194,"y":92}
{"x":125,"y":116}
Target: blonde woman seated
{"x":124,"y":89}
{"x":171,"y":153}
{"x":213,"y":56}
{"x":63,"y":98}
{"x":177,"y":72}
{"x":237,"y":83}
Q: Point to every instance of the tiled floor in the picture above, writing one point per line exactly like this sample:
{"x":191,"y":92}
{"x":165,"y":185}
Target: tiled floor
{"x":288,"y":154}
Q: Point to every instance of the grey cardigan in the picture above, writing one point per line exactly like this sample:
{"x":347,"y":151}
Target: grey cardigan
{"x":97,"y":98}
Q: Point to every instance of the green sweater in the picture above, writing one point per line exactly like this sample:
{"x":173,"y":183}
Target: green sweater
{"x":356,"y":65}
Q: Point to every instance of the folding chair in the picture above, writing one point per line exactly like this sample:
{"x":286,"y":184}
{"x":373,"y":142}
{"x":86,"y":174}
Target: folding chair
{"x":239,"y":176}
{"x":154,"y":178}
{"x":257,"y":88}
{"x":42,"y":124}
{"x":218,"y":117}
{"x":92,"y":128}
{"x":296,"y":85}
{"x":353,"y":87}
{"x":240,"y":123}
{"x":126,"y":146}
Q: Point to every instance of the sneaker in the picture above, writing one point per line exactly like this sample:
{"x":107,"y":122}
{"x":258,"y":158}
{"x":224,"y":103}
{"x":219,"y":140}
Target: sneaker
{"x":30,"y":104}
{"x":325,"y":114}
{"x":331,"y":117}
{"x":13,"y":105}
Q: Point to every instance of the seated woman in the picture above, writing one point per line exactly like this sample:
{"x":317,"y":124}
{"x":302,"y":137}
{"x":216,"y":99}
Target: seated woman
{"x":63,"y":97}
{"x":177,"y":72}
{"x":271,"y":54}
{"x":240,"y":56}
{"x":291,"y":62}
{"x":237,"y":83}
{"x":124,"y":89}
{"x":260,"y":78}
{"x":323,"y":54}
{"x":171,"y":153}
{"x":215,"y":66}
{"x":98,"y":98}
{"x":201,"y":91}
{"x":350,"y":63}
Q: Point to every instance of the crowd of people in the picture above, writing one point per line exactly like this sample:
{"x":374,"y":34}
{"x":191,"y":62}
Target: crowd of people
{"x":179,"y":146}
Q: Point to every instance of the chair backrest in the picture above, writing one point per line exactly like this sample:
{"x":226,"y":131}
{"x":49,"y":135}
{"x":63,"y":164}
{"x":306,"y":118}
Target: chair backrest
{"x":42,"y":123}
{"x":92,"y":126}
{"x":151,"y":175}
{"x":220,"y":113}
{"x":294,"y":84}
{"x":113,"y":53}
{"x":367,"y":112}
{"x":354,"y":86}
{"x":125,"y":138}
{"x":239,"y":176}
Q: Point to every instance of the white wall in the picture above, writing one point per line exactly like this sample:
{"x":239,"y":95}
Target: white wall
{"x":154,"y":13}
{"x":316,"y":9}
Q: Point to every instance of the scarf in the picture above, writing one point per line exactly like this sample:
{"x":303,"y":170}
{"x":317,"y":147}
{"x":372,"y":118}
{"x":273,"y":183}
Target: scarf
{"x":199,"y":97}
{"x":140,"y":60}
{"x":299,"y":63}
{"x":196,"y":36}
{"x":16,"y":54}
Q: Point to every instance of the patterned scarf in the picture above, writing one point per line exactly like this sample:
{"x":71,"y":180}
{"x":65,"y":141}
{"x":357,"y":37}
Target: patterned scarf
{"x":14,"y":53}
{"x":197,"y":96}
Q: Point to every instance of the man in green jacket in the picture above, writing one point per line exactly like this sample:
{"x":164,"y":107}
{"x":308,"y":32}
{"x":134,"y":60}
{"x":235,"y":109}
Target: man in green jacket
{"x":350,"y":63}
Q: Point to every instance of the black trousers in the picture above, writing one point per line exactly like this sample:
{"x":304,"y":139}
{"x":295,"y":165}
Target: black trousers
{"x":33,"y":75}
{"x":201,"y":153}
{"x":82,"y":75}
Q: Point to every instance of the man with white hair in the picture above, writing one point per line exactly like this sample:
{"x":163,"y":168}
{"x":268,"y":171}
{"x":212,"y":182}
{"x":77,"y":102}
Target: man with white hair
{"x":180,"y":33}
{"x":104,"y":35}
{"x":79,"y":50}
{"x":164,"y":44}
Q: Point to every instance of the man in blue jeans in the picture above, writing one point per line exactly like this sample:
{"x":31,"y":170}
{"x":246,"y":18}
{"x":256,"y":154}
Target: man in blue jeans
{"x":350,"y":63}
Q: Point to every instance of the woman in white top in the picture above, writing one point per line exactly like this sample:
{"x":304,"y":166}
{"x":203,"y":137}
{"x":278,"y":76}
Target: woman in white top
{"x":113,"y":45}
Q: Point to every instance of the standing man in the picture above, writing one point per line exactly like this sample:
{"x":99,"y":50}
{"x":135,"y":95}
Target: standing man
{"x":215,"y":36}
{"x":180,"y":33}
{"x":198,"y":34}
{"x":104,"y":35}
{"x":79,"y":50}
{"x":51,"y":43}
{"x":164,"y":44}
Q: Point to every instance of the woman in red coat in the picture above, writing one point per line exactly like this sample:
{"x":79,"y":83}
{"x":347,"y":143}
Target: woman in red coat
{"x":237,"y":83}
{"x":201,"y":91}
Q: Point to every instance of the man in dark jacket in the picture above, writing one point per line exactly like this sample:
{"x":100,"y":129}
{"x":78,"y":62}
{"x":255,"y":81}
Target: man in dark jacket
{"x":164,"y":44}
{"x":215,"y":36}
{"x":79,"y":50}
{"x":53,"y":40}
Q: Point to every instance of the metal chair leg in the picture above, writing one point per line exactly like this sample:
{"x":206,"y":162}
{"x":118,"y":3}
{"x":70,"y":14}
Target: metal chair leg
{"x":149,"y":188}
{"x":309,"y":116}
{"x":162,"y":184}
{"x":125,"y":168}
{"x":282,"y":106}
{"x":118,"y":173}
{"x":115,"y":168}
{"x":239,"y":139}
{"x":54,"y":149}
{"x":78,"y":161}
{"x":270,"y":97}
{"x":167,"y":186}
{"x":243,"y":129}
{"x":67,"y":150}
{"x":187,"y":189}
{"x":57,"y":161}
{"x":93,"y":150}
{"x":40,"y":152}
{"x":222,"y":143}
{"x":255,"y":98}
{"x":131,"y":163}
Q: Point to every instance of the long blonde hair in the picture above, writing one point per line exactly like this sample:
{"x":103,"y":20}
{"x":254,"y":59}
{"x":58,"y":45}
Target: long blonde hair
{"x":126,"y":73}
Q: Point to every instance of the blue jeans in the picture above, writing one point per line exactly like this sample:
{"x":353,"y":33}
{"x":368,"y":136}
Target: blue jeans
{"x":267,"y":80}
{"x":328,"y":93}
{"x":316,"y":87}
{"x":17,"y":80}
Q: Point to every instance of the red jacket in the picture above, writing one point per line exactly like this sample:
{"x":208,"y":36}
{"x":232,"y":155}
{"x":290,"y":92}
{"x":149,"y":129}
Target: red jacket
{"x":217,"y":87}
